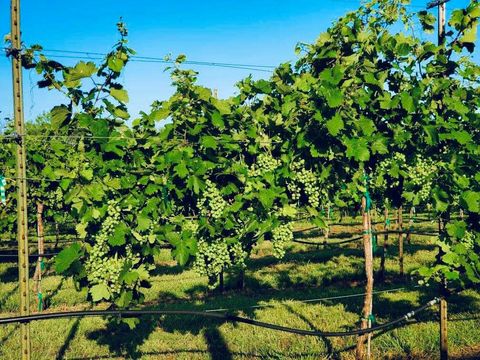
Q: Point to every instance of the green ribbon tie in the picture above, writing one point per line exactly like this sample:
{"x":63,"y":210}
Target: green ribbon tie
{"x":42,"y":265}
{"x":3,"y":183}
{"x":371,"y":317}
{"x":387,"y":222}
{"x":40,"y":301}
{"x":368,"y":203}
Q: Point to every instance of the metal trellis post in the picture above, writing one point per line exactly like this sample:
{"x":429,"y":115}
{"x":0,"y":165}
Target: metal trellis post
{"x":22,"y":224}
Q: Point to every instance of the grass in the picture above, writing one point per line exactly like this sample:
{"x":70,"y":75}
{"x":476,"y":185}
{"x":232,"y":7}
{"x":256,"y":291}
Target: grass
{"x":273,"y":288}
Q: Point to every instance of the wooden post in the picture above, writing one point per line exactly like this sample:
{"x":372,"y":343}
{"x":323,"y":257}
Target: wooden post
{"x":385,"y":246}
{"x":368,"y":301}
{"x":57,"y":235}
{"x":443,"y":330}
{"x":400,"y":239}
{"x":22,"y":217}
{"x":327,"y":230}
{"x":41,"y":249}
{"x":410,"y":225}
{"x":221,"y":285}
{"x":241,"y":280}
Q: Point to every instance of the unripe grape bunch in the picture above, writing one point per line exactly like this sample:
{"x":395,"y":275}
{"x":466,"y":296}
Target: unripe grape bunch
{"x":103,"y":267}
{"x":211,"y":204}
{"x":265,"y":163}
{"x":304,"y":182}
{"x":282,"y":235}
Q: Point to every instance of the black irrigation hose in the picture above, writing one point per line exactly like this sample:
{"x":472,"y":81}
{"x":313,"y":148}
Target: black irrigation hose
{"x":406,"y":232}
{"x":327,"y":243}
{"x":62,"y":241}
{"x":30,"y":255}
{"x":230,"y":318}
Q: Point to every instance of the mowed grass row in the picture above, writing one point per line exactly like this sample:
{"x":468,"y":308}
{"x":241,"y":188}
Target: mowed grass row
{"x":273,"y":288}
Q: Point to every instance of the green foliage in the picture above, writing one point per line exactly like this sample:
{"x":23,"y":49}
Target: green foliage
{"x":225,"y":174}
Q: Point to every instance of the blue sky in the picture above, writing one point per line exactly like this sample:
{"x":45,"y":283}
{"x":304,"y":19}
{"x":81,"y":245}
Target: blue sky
{"x":260,"y":32}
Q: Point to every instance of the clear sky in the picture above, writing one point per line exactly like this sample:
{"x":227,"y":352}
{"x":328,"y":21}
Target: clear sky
{"x":262,"y":32}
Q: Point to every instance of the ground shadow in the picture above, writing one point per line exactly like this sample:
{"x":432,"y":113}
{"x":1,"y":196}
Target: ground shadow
{"x":126,"y":342}
{"x":70,"y":336}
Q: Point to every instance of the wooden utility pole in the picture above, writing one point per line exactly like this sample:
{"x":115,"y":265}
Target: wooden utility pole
{"x":22,"y":223}
{"x":442,"y":10}
{"x":368,"y":301}
{"x":441,"y":21}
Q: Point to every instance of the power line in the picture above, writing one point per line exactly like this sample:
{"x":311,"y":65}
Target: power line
{"x":196,"y":62}
{"x":87,"y":55}
{"x":167,"y":62}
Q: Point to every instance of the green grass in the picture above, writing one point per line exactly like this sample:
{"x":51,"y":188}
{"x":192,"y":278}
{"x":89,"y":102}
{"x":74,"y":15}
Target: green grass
{"x":273,"y":288}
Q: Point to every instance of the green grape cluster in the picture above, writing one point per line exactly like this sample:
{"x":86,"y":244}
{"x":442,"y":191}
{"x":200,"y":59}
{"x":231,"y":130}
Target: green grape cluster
{"x":282,"y":235}
{"x":306,"y":180}
{"x":212,"y":257}
{"x":190,"y":225}
{"x":54,"y":198}
{"x":386,"y":164}
{"x":211,"y":204}
{"x":101,"y":266}
{"x":469,"y":240}
{"x":421,"y":176}
{"x":239,"y":255}
{"x":215,"y":256}
{"x":265,"y":163}
{"x":294,"y":190}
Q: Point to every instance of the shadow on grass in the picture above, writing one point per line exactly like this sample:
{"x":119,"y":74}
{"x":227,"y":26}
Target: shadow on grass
{"x":169,"y":354}
{"x":8,"y":335}
{"x":319,"y":256}
{"x":6,"y":295}
{"x":167,"y":270}
{"x":123,"y":341}
{"x":51,"y":294}
{"x":10,"y":274}
{"x":70,"y":336}
{"x":334,"y":355}
{"x":315,"y":234}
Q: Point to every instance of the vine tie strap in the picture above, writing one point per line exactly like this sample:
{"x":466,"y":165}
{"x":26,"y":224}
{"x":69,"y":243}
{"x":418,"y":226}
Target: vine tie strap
{"x":368,"y":201}
{"x":3,"y":183}
{"x":374,"y":243}
{"x":370,"y":318}
{"x":40,"y":301}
